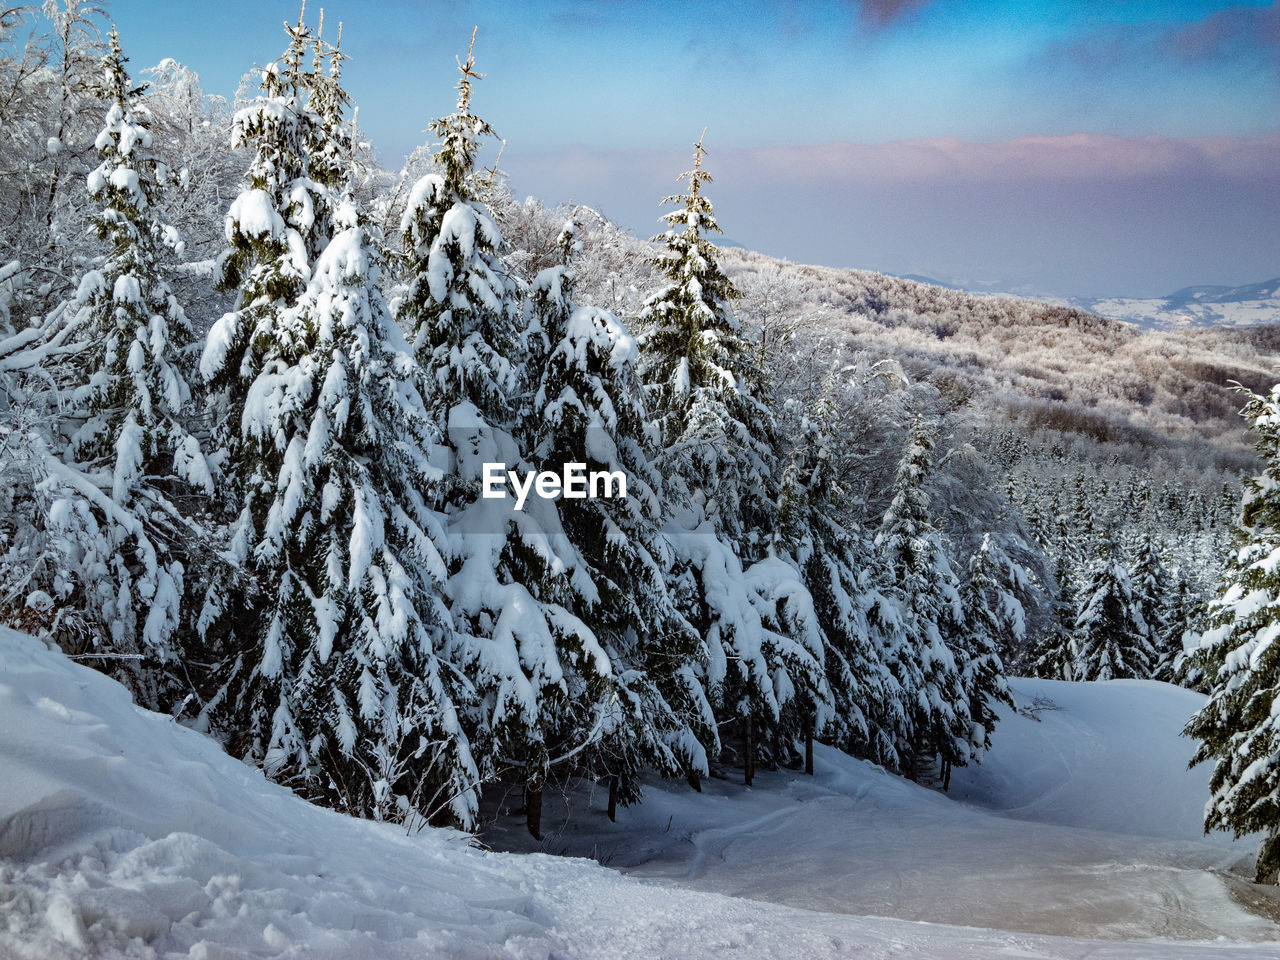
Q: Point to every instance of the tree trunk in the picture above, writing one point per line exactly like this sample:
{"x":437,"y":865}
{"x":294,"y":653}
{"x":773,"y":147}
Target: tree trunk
{"x":808,"y":747}
{"x":749,"y":750}
{"x":533,"y":808}
{"x":613,"y":799}
{"x":946,"y":776}
{"x":695,"y":779}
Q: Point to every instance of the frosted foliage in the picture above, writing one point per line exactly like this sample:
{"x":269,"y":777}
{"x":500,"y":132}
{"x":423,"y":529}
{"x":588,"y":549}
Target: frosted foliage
{"x":456,"y":306}
{"x":698,"y":373}
{"x":925,"y":658}
{"x":335,"y":681}
{"x":991,"y":613}
{"x":349,"y":551}
{"x":866,"y":713}
{"x":1112,"y":636}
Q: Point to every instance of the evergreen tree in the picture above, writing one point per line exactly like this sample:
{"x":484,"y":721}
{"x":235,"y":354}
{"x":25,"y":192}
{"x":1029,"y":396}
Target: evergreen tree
{"x":458,"y":305}
{"x":587,"y":407}
{"x":1151,"y":586}
{"x":123,"y":539}
{"x":544,"y":684}
{"x":937,"y":710}
{"x":1056,"y":652}
{"x":1240,"y":661}
{"x":717,"y":437}
{"x":1112,"y":638}
{"x":331,"y":151}
{"x":718,"y":442}
{"x":1179,"y":620}
{"x":864,"y":715}
{"x":332,"y":667}
{"x":991,"y":613}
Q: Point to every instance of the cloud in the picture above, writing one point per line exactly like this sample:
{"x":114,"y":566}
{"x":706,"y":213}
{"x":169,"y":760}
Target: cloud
{"x":1086,"y":214}
{"x":1071,"y":158}
{"x":1228,"y":33}
{"x":1076,"y":159}
{"x":884,"y":13}
{"x":1227,"y":36}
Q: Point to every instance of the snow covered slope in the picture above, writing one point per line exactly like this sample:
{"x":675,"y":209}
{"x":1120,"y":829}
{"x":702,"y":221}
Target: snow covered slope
{"x":1084,"y":821}
{"x":1104,"y":756}
{"x":125,"y":835}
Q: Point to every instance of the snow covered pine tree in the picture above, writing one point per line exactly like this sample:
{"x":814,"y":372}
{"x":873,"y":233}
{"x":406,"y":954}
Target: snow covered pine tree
{"x":1112,"y":638}
{"x":718,"y":443}
{"x":130,"y":453}
{"x":542,"y":681}
{"x":921,"y":656}
{"x":1239,"y":727}
{"x":332,"y":658}
{"x":587,"y":406}
{"x":865,"y":713}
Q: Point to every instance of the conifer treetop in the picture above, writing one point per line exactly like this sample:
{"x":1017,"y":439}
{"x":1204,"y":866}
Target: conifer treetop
{"x":695,"y":210}
{"x":459,"y":132}
{"x":299,"y":39}
{"x":114,"y":87}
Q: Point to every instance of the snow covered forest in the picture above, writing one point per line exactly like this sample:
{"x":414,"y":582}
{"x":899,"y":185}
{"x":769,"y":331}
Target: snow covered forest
{"x":249,"y":380}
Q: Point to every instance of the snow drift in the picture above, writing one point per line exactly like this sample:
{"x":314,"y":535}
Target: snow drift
{"x":123,"y":834}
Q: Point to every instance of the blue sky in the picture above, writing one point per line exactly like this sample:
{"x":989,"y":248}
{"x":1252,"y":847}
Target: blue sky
{"x":1088,"y":148}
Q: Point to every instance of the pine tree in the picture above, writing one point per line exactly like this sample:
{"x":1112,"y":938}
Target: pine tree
{"x":1111,"y":635}
{"x":1240,"y":660}
{"x":936,"y":708}
{"x":717,"y":436}
{"x":458,"y":304}
{"x":131,"y":454}
{"x":332,"y":665}
{"x":331,"y":152}
{"x":1179,"y":620}
{"x":718,"y":447}
{"x":544,"y":685}
{"x":991,"y":613}
{"x":864,"y":715}
{"x":1056,"y":652}
{"x":1150,"y":581}
{"x":587,"y":407}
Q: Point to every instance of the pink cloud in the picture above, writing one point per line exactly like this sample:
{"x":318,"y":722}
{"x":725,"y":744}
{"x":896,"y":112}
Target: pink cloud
{"x":1074,"y":157}
{"x":1071,"y":158}
{"x":1083,"y":214}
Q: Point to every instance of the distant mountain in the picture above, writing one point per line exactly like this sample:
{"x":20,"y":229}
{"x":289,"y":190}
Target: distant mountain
{"x":931,"y":281}
{"x":1206,"y":305}
{"x":1256,"y":304}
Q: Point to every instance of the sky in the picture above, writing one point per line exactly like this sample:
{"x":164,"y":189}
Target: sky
{"x":1091,"y":148}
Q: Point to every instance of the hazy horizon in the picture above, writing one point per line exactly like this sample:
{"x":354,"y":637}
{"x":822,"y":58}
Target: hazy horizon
{"x":1070,"y":149}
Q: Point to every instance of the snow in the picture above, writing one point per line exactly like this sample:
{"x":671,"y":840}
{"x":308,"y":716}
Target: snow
{"x":1253,"y":306}
{"x":123,"y":834}
{"x":1083,"y":820}
{"x":126,"y":180}
{"x":253,"y":215}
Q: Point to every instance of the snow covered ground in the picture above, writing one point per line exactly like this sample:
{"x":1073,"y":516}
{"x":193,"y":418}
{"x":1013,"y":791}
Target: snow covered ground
{"x":125,"y":835}
{"x":1084,"y":821}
